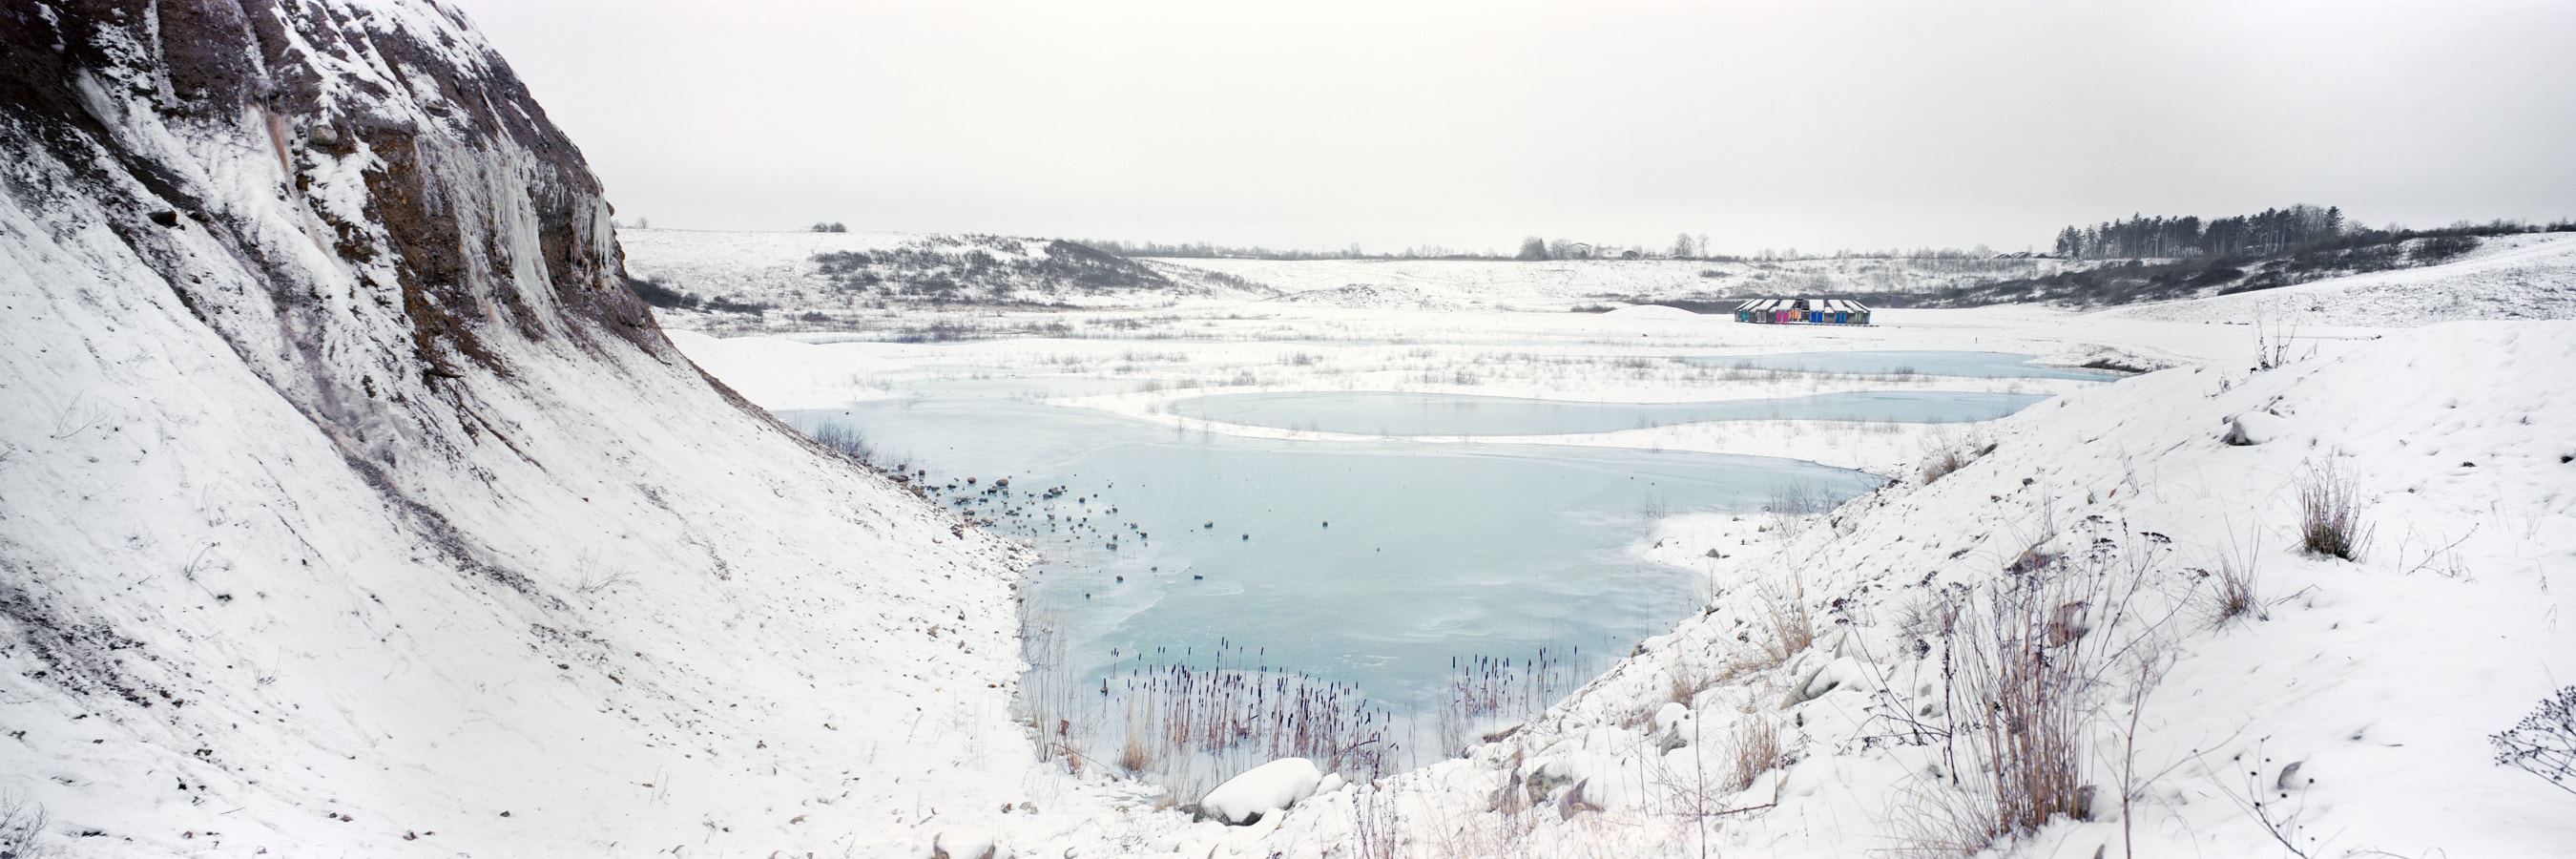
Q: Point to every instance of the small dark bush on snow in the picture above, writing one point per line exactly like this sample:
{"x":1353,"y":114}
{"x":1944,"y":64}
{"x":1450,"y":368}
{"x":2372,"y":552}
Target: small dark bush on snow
{"x":2544,"y":743}
{"x":657,"y":295}
{"x":2441,"y":248}
{"x":2329,"y":513}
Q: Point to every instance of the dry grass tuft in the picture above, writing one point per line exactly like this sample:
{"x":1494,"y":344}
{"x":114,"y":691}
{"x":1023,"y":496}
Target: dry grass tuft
{"x":1953,"y":457}
{"x":1787,"y":626}
{"x":1134,"y":757}
{"x":2236,"y":593}
{"x":1686,"y":681}
{"x":2329,"y":513}
{"x":1754,"y":750}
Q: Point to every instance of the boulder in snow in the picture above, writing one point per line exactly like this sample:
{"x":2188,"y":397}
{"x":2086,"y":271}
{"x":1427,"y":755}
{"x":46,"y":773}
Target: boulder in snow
{"x":2255,"y":428}
{"x":1244,"y":799}
{"x":1670,"y":714}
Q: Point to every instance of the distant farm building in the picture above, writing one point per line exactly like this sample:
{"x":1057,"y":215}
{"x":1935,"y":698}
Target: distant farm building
{"x":1803,"y":311}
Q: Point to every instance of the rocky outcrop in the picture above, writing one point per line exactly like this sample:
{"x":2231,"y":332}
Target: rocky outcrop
{"x":360,"y":197}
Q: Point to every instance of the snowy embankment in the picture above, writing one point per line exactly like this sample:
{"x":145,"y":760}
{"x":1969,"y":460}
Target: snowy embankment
{"x":1807,"y":713}
{"x":2513,"y":277}
{"x":354,"y":506}
{"x":2057,"y":603}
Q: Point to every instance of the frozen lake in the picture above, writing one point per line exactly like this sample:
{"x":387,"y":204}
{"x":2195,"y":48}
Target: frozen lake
{"x":1993,"y":365}
{"x":1370,"y":563}
{"x":1406,"y":414}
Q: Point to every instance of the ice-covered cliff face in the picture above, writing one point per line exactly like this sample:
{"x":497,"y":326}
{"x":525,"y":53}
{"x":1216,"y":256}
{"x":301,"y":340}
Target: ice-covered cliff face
{"x":359,"y":197}
{"x":350,"y":502}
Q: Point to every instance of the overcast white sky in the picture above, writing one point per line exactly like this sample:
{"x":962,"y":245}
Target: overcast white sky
{"x":1814,"y":125}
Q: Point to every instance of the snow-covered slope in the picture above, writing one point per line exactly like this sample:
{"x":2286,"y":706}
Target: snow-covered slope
{"x":350,"y":504}
{"x":2344,"y":708}
{"x":2514,"y":277}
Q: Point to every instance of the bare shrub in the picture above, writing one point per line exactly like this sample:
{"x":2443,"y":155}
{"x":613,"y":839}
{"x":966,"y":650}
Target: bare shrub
{"x":1376,"y":825}
{"x":2028,"y":663}
{"x":594,"y":578}
{"x":2544,"y":743}
{"x":2028,"y":697}
{"x":1793,"y":504}
{"x":1952,"y":457}
{"x":1653,"y":508}
{"x":847,"y":440}
{"x":22,"y":824}
{"x":1943,"y":463}
{"x":2329,"y":513}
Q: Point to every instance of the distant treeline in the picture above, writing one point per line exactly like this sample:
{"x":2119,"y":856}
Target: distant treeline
{"x":2290,"y":253}
{"x":2272,"y":232}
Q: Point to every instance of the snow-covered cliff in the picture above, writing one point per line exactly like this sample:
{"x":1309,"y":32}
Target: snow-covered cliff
{"x":351,"y":502}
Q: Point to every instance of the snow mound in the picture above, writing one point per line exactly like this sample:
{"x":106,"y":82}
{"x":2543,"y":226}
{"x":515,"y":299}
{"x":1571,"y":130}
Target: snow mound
{"x":1653,"y":311}
{"x":964,"y":844}
{"x":1245,"y":799}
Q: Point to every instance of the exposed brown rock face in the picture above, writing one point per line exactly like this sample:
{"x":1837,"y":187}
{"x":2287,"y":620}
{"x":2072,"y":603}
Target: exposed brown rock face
{"x":396,"y":218}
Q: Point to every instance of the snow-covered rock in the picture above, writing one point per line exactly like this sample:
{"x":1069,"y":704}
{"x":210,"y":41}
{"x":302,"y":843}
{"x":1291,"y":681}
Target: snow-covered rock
{"x":2255,"y":428}
{"x":1262,"y":790}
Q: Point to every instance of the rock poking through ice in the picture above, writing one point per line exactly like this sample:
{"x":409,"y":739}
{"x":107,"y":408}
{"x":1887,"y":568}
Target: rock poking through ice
{"x":1243,"y":800}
